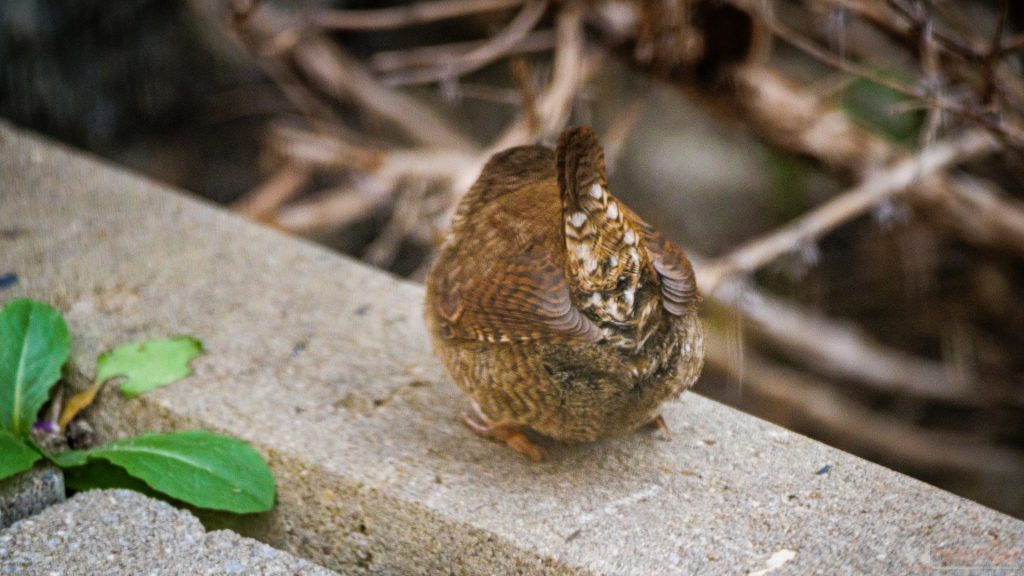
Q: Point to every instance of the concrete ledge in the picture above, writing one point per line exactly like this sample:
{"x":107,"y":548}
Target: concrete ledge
{"x":324,"y":365}
{"x":117,"y":532}
{"x":30,"y":492}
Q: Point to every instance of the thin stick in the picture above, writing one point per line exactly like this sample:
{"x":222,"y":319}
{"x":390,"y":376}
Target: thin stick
{"x":787,"y":116}
{"x":498,"y":46}
{"x":345,"y":79}
{"x":571,"y":70}
{"x":1014,"y":44}
{"x":265,"y":199}
{"x":308,"y":104}
{"x":391,"y":165}
{"x":487,"y":93}
{"x":384,"y":248}
{"x":994,"y":55}
{"x":819,"y":53}
{"x":614,"y":139}
{"x":840,"y":350}
{"x":848,"y":205}
{"x":334,"y":209}
{"x":521,"y":71}
{"x":933,"y":82}
{"x":1009,"y":131}
{"x":979,"y":213}
{"x":950,"y":43}
{"x":815,"y":401}
{"x":408,"y":15}
{"x":320,"y":60}
{"x":395,"y":60}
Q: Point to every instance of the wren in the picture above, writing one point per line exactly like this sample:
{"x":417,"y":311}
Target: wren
{"x":555,"y":307}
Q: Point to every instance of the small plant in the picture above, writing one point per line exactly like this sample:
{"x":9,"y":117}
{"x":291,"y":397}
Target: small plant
{"x":197,"y":467}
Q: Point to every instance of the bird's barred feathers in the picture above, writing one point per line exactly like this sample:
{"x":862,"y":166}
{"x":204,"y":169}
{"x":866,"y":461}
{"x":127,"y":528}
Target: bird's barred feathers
{"x":605,"y":259}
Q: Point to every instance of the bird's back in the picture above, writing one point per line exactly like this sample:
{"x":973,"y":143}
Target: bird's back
{"x":554,"y":306}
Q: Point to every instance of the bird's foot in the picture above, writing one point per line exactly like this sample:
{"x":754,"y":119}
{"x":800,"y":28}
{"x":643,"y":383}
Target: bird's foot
{"x":511,"y":435}
{"x":658,"y":423}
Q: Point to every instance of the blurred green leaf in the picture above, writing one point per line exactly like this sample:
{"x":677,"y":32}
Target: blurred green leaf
{"x":148,"y":365}
{"x":101,"y":475}
{"x":788,"y":177}
{"x":15,"y":455}
{"x":882,"y":109}
{"x":203,"y":469}
{"x":34,"y":344}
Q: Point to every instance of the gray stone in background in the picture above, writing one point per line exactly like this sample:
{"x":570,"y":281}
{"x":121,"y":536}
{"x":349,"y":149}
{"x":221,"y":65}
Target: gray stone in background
{"x":324,"y":365}
{"x":28,"y":493}
{"x":119,"y":532}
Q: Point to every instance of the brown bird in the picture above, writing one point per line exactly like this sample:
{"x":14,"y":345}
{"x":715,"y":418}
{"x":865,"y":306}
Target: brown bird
{"x":555,"y":307}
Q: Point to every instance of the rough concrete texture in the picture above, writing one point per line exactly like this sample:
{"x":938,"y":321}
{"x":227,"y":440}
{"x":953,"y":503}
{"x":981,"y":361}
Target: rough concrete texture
{"x":323,"y":364}
{"x":25,"y":494}
{"x":114,"y":532}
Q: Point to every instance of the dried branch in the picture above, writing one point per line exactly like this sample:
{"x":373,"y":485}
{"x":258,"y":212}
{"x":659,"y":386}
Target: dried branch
{"x":1014,"y":44}
{"x":974,"y":208}
{"x":1007,"y":129}
{"x":274,"y":192}
{"x":880,"y":16}
{"x":614,"y":139}
{"x":841,"y":350}
{"x":813,"y":400}
{"x":342,"y":77}
{"x":397,"y":60}
{"x":932,"y":82}
{"x":381,"y":171}
{"x":335,"y":73}
{"x":806,"y":45}
{"x":445,"y":159}
{"x":527,"y":93}
{"x":919,"y":21}
{"x":572,"y":68}
{"x":331,"y":151}
{"x":873,"y":189}
{"x":408,"y":15}
{"x":497,"y":47}
{"x":314,"y":108}
{"x":404,"y":219}
{"x":796,"y":120}
{"x":487,"y":93}
{"x":994,"y":55}
{"x":334,"y":209}
{"x":784,"y":114}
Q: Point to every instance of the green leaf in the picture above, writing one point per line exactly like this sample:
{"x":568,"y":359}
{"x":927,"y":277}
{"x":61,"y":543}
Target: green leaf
{"x":879,"y":108}
{"x":33,"y":346}
{"x":203,"y":469}
{"x":15,"y":455}
{"x":788,"y":176}
{"x":148,"y":365}
{"x":100,"y":474}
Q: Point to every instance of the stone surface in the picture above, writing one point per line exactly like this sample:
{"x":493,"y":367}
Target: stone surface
{"x":323,"y":364}
{"x":114,"y":532}
{"x":25,"y":494}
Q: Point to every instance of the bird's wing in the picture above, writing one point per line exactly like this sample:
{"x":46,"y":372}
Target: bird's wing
{"x":509,"y":285}
{"x":504,"y":173}
{"x":678,"y":282}
{"x":526,"y":298}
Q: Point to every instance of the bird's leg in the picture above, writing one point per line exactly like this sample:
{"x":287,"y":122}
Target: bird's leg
{"x":511,"y":435}
{"x":658,"y":423}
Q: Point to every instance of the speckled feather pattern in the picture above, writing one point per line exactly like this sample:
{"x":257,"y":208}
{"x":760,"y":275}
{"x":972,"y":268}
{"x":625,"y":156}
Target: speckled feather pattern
{"x":554,"y":306}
